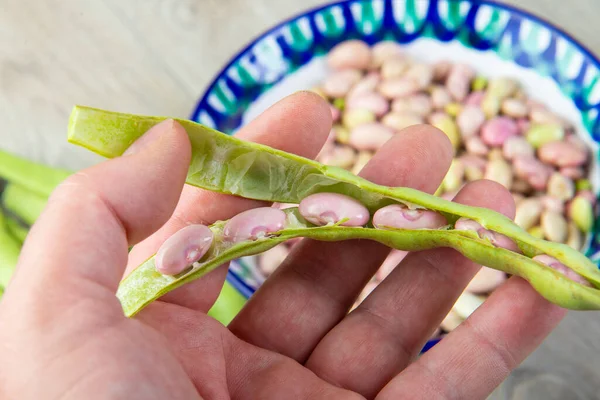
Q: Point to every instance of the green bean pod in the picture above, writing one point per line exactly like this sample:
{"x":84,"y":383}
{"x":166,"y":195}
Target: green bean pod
{"x":36,"y":178}
{"x":226,"y":164}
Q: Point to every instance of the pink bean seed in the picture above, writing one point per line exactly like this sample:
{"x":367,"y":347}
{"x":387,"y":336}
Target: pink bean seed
{"x":563,"y":269}
{"x":459,"y":81}
{"x":572,"y":172}
{"x":370,"y":136}
{"x":339,"y":83}
{"x":441,"y":70}
{"x":497,"y":239}
{"x":366,"y":85}
{"x":330,"y":208}
{"x":440,"y":97}
{"x":369,"y":101}
{"x":350,"y":54}
{"x":475,"y":145}
{"x":335,"y":113}
{"x":184,"y":248}
{"x":254,"y":224}
{"x":562,"y":154}
{"x":470,"y":120}
{"x":390,"y":263}
{"x":398,"y":87}
{"x":517,"y":146}
{"x":497,"y":130}
{"x":400,"y":217}
{"x":523,"y":124}
{"x":533,"y":171}
{"x":475,"y":98}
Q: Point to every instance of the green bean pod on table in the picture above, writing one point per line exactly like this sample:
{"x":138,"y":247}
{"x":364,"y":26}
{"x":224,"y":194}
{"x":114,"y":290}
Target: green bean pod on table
{"x":332,"y":205}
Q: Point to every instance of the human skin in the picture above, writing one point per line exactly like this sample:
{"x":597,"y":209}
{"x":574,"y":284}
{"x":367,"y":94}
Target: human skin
{"x":64,"y":335}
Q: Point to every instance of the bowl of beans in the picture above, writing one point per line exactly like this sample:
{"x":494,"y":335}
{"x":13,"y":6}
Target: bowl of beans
{"x":517,"y":97}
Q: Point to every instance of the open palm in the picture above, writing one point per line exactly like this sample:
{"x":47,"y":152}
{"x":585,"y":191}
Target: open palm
{"x":63,"y":334}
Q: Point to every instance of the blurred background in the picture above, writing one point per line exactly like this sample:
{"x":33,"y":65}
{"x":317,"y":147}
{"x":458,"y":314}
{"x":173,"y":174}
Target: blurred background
{"x":157,"y":57}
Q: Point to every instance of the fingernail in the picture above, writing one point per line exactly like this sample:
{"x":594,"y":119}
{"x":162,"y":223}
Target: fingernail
{"x":150,"y":136}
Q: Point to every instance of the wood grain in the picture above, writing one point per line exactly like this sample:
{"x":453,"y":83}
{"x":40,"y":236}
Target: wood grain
{"x":157,"y":57}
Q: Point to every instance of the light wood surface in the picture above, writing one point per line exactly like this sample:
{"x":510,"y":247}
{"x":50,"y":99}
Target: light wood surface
{"x":157,"y":56}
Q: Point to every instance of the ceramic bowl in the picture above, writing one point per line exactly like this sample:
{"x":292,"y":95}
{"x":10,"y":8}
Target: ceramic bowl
{"x":494,"y":38}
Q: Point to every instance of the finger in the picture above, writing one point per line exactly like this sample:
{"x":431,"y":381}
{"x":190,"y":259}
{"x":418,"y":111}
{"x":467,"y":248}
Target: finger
{"x":82,"y":237}
{"x":315,"y":287}
{"x":298,"y":124}
{"x":477,"y":356}
{"x":390,"y":327}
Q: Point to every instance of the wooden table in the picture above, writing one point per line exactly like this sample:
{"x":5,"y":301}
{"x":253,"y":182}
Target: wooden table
{"x":157,"y":56}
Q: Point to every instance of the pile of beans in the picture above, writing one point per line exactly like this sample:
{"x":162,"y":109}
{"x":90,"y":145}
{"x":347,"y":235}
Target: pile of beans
{"x":497,"y":132}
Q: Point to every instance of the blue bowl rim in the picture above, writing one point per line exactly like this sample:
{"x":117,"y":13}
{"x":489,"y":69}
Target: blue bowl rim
{"x":233,"y":279}
{"x":514,"y":9}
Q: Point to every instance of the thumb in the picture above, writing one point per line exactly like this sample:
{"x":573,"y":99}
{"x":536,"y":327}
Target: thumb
{"x":92,"y":218}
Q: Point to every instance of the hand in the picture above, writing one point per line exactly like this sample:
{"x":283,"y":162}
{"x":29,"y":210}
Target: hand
{"x":63,"y":334}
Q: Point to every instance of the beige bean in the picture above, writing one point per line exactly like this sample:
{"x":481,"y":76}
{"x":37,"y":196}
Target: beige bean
{"x":354,"y":54}
{"x":421,"y":73}
{"x":454,"y":177}
{"x":561,"y":187}
{"x":390,"y":263}
{"x":466,"y":304}
{"x":370,"y":136}
{"x":502,"y":87}
{"x":486,"y":280}
{"x":441,"y":70}
{"x":514,"y":108}
{"x":469,"y":121}
{"x":398,"y":87}
{"x":574,"y":236}
{"x":399,"y":121}
{"x":474,"y":166}
{"x":495,"y":154}
{"x":369,"y":101}
{"x":517,"y":197}
{"x":528,"y":212}
{"x":459,"y":81}
{"x":339,"y":156}
{"x":418,"y":104}
{"x":353,"y":118}
{"x":383,"y":51}
{"x":499,"y":171}
{"x":341,"y":134}
{"x":451,"y":321}
{"x":362,"y":159}
{"x":339,"y":83}
{"x":440,"y":97}
{"x":555,"y":226}
{"x":517,"y":146}
{"x":270,"y":260}
{"x":553,"y":204}
{"x":541,"y":116}
{"x":446,"y":124}
{"x":367,"y":84}
{"x":490,"y":105}
{"x":475,"y":145}
{"x":562,"y":154}
{"x":394,"y":68}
